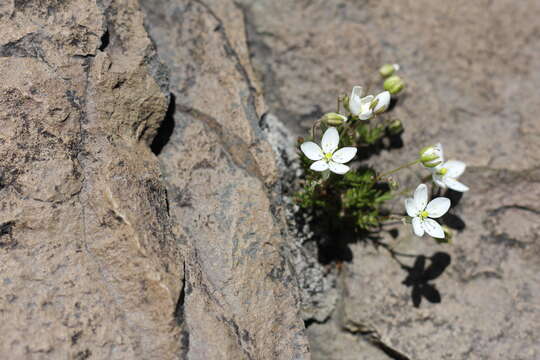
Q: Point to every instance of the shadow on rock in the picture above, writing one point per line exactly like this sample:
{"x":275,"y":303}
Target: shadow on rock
{"x":388,"y":142}
{"x":337,"y":233}
{"x":419,"y":277}
{"x":166,"y":128}
{"x":453,"y":222}
{"x":449,"y":219}
{"x":336,"y":249}
{"x":454,"y":196}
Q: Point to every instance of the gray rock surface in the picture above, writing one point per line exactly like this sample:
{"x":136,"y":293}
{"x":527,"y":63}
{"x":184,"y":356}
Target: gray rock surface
{"x":317,"y":282}
{"x":241,"y":296}
{"x":109,"y":252}
{"x":471,"y":74}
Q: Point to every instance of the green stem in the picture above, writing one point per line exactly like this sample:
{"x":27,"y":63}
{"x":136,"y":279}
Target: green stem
{"x":397,"y":169}
{"x":315,"y":124}
{"x":391,"y":223}
{"x":392,"y":217}
{"x":348,"y":127}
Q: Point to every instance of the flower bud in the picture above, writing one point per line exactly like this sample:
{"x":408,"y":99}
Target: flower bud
{"x":394,"y":84}
{"x":395,"y":127}
{"x":334,"y":119}
{"x":431,"y":156}
{"x":387,"y":70}
{"x":431,"y":164}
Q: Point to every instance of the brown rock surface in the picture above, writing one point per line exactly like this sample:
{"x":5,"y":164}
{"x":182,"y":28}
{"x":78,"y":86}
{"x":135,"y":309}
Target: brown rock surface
{"x":108,"y":252}
{"x":471,"y":74}
{"x":89,"y":265}
{"x":100,"y":259}
{"x":241,"y":297}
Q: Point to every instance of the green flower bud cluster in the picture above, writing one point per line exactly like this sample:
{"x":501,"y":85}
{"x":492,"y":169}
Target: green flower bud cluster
{"x":387,"y":70}
{"x":429,"y":157}
{"x":334,"y":119}
{"x":395,"y":127}
{"x":394,"y":84}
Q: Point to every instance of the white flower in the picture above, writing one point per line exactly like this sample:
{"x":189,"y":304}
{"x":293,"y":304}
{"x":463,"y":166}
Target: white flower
{"x":423,"y":213}
{"x":365,"y":107}
{"x":446,"y":174}
{"x":383,"y":100}
{"x":431,"y":156}
{"x":360,"y":106}
{"x":327,"y":157}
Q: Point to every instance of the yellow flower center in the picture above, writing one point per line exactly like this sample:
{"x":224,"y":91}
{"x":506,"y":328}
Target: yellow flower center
{"x":443,"y":171}
{"x":328,"y":156}
{"x":424,"y":214}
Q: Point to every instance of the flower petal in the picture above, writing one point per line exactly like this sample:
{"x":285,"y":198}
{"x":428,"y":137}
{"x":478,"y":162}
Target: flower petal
{"x":438,"y":149}
{"x":439,"y":180}
{"x":330,"y":140}
{"x":433,"y":228}
{"x":354,"y":100}
{"x":344,"y":155}
{"x":455,"y":168}
{"x":438,"y":207}
{"x":320,"y":165}
{"x":365,"y":108}
{"x":312,"y":150}
{"x":418,"y":228}
{"x":338,"y":168}
{"x":383,"y":102}
{"x":411,"y":208}
{"x":455,"y":185}
{"x":420,"y":197}
{"x":366,"y":115}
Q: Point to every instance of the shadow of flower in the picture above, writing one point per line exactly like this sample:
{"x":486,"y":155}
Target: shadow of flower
{"x":419,"y":277}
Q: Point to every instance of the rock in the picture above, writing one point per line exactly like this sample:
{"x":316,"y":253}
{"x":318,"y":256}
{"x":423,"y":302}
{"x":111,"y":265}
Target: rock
{"x":469,"y":70}
{"x":318,"y":293}
{"x":482,"y":304}
{"x":90,"y":267}
{"x":458,"y":79}
{"x":106,"y":251}
{"x":109,"y":252}
{"x":241,"y":296}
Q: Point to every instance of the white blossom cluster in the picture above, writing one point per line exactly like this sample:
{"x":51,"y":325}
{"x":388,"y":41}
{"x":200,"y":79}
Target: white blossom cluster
{"x":328,"y":157}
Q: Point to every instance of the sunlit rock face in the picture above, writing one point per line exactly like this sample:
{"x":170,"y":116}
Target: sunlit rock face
{"x":241,"y":299}
{"x":470,"y":75}
{"x":89,"y":264}
{"x":141,"y":207}
{"x":106,"y":250}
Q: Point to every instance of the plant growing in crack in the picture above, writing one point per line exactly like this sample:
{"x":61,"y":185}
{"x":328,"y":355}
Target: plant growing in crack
{"x":343,"y":193}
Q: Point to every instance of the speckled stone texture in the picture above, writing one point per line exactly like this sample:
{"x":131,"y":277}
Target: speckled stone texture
{"x":89,"y":266}
{"x":471,"y":73}
{"x":241,"y":295}
{"x":107,"y":251}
